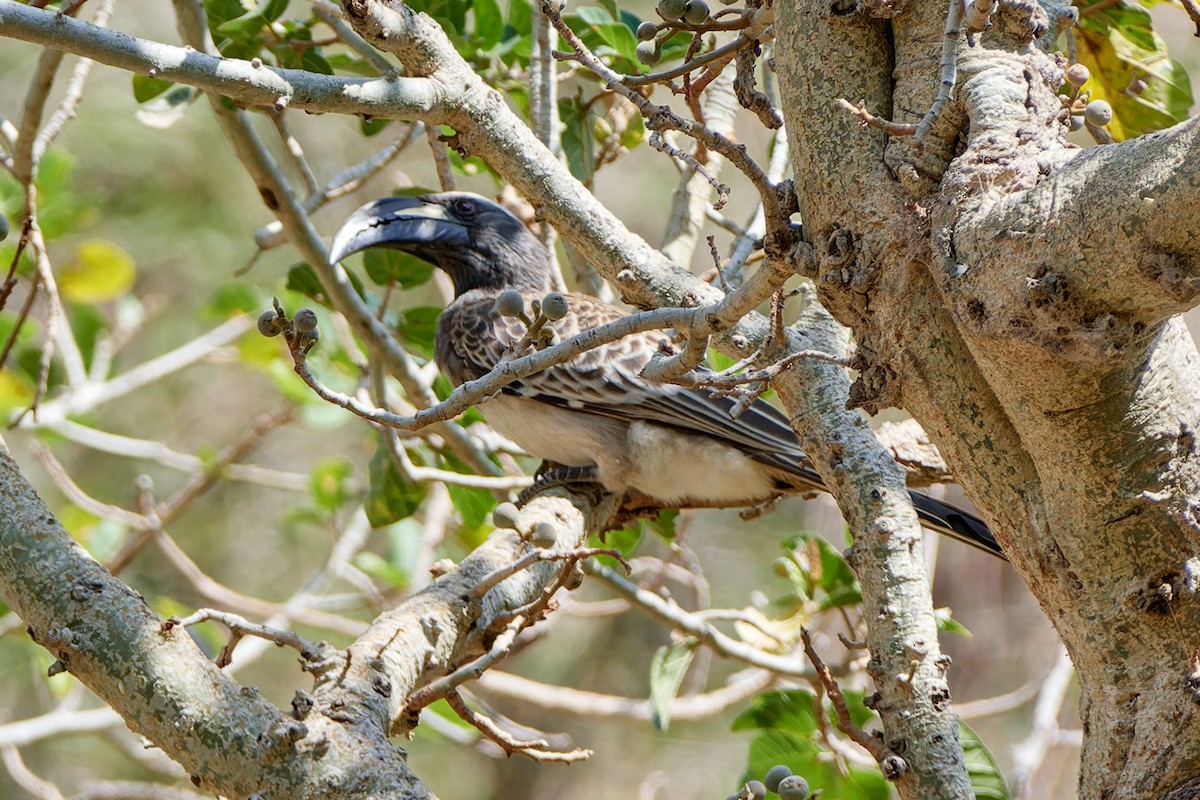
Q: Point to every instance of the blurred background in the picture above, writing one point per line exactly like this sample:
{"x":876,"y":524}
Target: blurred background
{"x":164,"y":187}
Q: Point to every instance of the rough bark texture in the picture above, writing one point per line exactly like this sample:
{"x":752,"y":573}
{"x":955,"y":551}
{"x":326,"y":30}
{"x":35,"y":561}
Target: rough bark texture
{"x":1013,"y":293}
{"x":233,"y":741}
{"x":1016,"y":298}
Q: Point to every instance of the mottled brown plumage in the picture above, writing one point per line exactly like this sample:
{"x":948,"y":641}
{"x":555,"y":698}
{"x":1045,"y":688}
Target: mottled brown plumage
{"x":676,"y":445}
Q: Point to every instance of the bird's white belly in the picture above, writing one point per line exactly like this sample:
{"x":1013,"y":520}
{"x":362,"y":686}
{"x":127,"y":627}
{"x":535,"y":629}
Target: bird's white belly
{"x":676,"y":467}
{"x":665,"y":464}
{"x":556,"y":434}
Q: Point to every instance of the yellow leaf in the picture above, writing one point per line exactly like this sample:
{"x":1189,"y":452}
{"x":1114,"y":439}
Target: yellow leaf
{"x":99,"y":271}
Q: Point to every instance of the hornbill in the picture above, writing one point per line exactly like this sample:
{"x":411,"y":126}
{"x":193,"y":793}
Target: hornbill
{"x":678,"y":446}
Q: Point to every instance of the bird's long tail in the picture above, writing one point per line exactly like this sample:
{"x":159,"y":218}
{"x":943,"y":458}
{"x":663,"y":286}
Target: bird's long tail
{"x":955,"y":523}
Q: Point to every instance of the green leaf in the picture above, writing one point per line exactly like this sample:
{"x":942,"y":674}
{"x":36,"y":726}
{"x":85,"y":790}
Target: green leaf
{"x":390,"y":496}
{"x":327,"y":483}
{"x":369,"y":126}
{"x":235,"y":297}
{"x":347,"y":64}
{"x":624,"y":540}
{"x":792,"y":711}
{"x":667,"y":669}
{"x":165,"y":110}
{"x":633,"y":134}
{"x":663,"y":525}
{"x":473,"y":505}
{"x":303,"y":279}
{"x":578,"y":137}
{"x":824,"y":569}
{"x":251,"y":21}
{"x":145,"y":88}
{"x":949,"y":624}
{"x":1119,"y":46}
{"x":87,"y":324}
{"x":489,"y":23}
{"x":314,"y":61}
{"x":986,"y":778}
{"x":98,"y":271}
{"x":404,"y":543}
{"x":383,"y":265}
{"x":16,"y":392}
{"x":804,"y":757}
{"x":416,"y":327}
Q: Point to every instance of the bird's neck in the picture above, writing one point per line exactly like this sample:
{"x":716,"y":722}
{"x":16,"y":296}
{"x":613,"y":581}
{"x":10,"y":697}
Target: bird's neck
{"x":521,"y":266}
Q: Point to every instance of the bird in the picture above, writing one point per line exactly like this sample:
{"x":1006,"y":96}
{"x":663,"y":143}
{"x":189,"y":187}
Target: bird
{"x":595,"y":415}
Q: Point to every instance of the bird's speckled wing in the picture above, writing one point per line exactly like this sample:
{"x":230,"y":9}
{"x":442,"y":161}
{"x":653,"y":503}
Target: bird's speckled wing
{"x":472,"y":338}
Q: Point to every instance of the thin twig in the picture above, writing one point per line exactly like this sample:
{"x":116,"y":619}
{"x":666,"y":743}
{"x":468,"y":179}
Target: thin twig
{"x":536,"y":556}
{"x":442,"y":686}
{"x":240,"y":627}
{"x":844,"y":722}
{"x":535,"y":749}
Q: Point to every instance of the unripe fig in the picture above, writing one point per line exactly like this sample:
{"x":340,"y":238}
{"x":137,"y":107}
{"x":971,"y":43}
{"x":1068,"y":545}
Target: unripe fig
{"x":671,"y":10}
{"x":555,"y":306}
{"x":1078,"y":75}
{"x":696,"y":12}
{"x":268,"y":323}
{"x":1098,"y":113}
{"x":774,"y":775}
{"x":648,"y":52}
{"x":505,"y":515}
{"x":646,"y":31}
{"x":305,"y":320}
{"x":309,"y":339}
{"x":544,"y":535}
{"x":793,"y":787}
{"x":510,"y":303}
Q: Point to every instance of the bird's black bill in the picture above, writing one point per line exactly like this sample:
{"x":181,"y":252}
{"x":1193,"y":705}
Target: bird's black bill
{"x":400,"y":223}
{"x":955,"y":523}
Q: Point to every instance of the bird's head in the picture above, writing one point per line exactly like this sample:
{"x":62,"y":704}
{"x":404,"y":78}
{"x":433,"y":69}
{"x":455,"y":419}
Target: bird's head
{"x":479,"y":243}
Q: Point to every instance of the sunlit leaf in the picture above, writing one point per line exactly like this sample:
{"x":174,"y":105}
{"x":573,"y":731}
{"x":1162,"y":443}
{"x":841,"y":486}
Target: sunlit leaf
{"x":98,"y":270}
{"x":16,"y":392}
{"x":789,"y":710}
{"x":327,"y":483}
{"x":473,"y":505}
{"x":986,"y":778}
{"x":1131,"y":68}
{"x":489,"y":23}
{"x":949,"y":624}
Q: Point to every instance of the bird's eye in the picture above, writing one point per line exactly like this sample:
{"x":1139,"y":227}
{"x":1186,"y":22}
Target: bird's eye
{"x":464,"y":207}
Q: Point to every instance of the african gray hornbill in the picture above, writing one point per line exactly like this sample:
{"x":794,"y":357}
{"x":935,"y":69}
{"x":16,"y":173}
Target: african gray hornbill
{"x":679,"y":446}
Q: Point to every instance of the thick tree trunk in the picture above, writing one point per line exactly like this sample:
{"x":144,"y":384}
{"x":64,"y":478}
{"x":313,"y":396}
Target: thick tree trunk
{"x":1017,"y":300}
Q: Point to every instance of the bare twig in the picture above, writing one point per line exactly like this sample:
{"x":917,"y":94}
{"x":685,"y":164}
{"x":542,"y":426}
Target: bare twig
{"x":668,"y":611}
{"x":239,"y":627}
{"x":660,"y":118}
{"x":845,"y":724}
{"x":537,"y":555}
{"x":535,"y":749}
{"x":443,"y":686}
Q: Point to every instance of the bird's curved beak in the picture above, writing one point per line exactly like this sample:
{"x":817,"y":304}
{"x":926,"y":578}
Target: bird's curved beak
{"x":400,"y":223}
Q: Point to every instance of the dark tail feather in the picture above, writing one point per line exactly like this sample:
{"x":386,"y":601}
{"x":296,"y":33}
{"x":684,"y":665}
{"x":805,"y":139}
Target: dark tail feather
{"x":955,"y":523}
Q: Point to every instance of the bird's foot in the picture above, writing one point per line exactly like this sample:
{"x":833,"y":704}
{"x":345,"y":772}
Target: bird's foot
{"x":757,"y":510}
{"x":551,"y":476}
